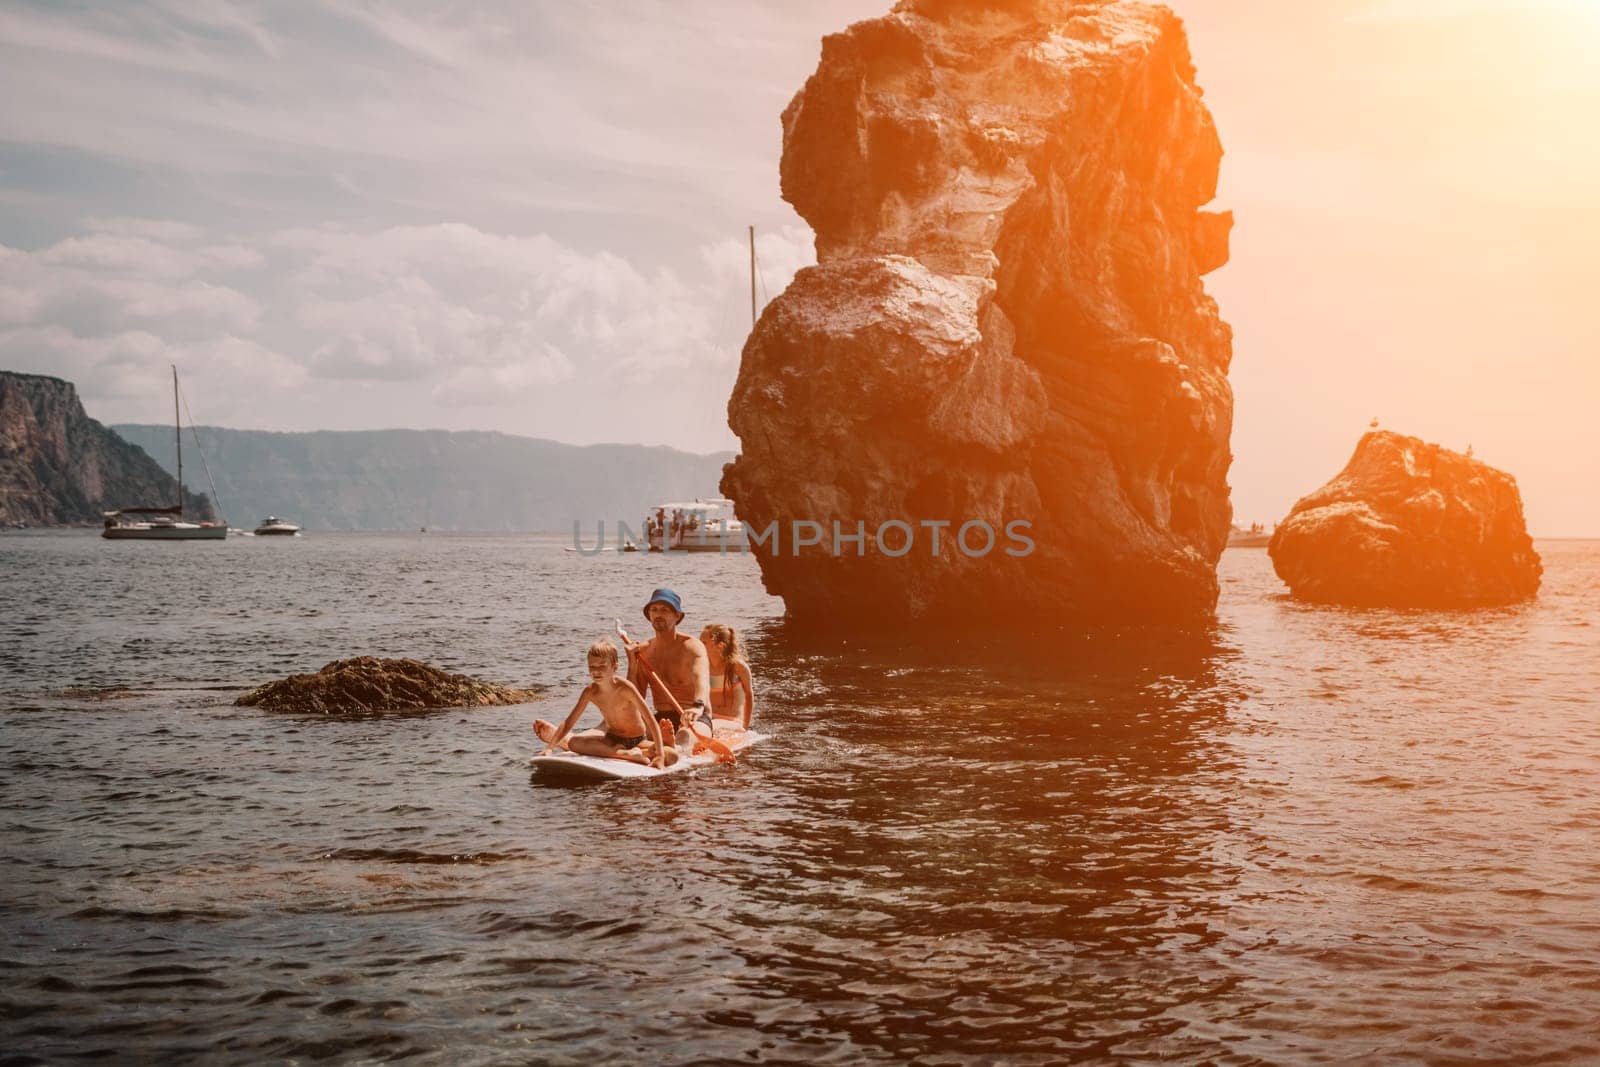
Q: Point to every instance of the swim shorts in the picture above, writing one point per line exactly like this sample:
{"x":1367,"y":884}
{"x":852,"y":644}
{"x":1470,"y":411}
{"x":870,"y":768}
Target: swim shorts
{"x":697,"y":711}
{"x":624,"y":742}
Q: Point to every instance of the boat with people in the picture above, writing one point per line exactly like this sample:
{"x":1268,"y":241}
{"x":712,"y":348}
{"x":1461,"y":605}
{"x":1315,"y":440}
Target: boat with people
{"x":272,"y":526}
{"x":704,"y":524}
{"x":1255,"y":536}
{"x":167,"y":523}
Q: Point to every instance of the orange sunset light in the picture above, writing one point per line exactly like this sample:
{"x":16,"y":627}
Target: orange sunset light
{"x":858,"y":531}
{"x":1417,"y":231}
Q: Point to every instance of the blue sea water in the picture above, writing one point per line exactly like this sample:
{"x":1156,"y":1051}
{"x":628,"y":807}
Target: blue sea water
{"x":1310,"y":835}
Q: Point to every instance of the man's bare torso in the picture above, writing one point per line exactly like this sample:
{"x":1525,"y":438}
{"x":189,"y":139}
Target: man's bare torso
{"x":679,"y":661}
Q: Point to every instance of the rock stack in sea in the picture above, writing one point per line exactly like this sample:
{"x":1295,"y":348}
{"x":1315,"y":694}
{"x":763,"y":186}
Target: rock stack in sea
{"x":368,"y":684}
{"x":1409,"y":524}
{"x":1007,"y":322}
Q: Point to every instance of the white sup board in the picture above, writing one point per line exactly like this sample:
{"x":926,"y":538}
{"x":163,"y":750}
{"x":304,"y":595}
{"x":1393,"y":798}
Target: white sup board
{"x":570,"y":766}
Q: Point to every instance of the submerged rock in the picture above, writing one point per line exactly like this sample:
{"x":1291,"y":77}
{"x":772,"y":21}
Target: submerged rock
{"x":1006,"y":323}
{"x":1407,"y":524}
{"x":368,"y":683}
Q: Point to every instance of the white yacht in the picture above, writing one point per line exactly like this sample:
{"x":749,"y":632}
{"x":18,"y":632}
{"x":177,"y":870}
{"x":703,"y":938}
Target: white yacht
{"x":1256,"y":536}
{"x":272,"y":526}
{"x":704,"y":524}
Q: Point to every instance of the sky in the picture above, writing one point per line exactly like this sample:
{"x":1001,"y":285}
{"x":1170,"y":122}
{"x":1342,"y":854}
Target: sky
{"x":531,"y":217}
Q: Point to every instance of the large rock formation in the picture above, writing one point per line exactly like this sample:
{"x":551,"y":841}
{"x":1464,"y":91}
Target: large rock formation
{"x":59,"y":466}
{"x":1007,"y":322}
{"x":368,"y":684}
{"x":1412,"y":525}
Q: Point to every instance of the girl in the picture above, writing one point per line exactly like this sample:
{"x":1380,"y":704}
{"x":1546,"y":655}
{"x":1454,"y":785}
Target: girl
{"x":732,"y":695}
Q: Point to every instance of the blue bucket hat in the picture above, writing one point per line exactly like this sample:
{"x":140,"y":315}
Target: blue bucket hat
{"x":667,"y":597}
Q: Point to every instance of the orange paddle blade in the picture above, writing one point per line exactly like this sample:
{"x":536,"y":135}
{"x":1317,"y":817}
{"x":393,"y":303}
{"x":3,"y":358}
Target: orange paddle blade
{"x":723,"y":753}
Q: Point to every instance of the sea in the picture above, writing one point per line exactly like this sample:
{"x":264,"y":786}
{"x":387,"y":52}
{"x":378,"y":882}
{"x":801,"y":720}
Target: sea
{"x":1307,"y":835}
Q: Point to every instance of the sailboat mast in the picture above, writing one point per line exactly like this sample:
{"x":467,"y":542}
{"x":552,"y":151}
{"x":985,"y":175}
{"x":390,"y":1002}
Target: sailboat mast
{"x":752,"y":277}
{"x":177,"y":426}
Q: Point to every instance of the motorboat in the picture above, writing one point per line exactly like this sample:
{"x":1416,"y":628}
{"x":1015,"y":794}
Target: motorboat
{"x":705,"y":524}
{"x":1256,"y":536}
{"x":272,"y":526}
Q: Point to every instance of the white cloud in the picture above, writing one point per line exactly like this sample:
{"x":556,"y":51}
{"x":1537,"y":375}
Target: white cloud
{"x":417,"y":302}
{"x":491,"y":386}
{"x":167,"y":231}
{"x":467,"y":317}
{"x":104,"y":283}
{"x":620,"y":111}
{"x":145,"y":257}
{"x":222,"y":374}
{"x":110,"y":309}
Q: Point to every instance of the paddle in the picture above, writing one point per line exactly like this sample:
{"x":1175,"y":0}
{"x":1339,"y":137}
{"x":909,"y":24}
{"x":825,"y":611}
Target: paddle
{"x":723,"y":753}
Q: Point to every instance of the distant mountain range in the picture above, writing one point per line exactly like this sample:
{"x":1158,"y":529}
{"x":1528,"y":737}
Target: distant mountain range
{"x":59,"y":466}
{"x":442,"y":480}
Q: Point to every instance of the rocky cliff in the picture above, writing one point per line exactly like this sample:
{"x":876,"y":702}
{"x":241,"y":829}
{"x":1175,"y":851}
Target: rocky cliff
{"x":1409,"y":524}
{"x":1006,"y":323}
{"x":57,"y":465}
{"x":465,"y":480}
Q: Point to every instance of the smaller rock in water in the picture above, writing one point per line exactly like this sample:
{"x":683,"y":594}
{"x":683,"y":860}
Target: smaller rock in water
{"x":1408,"y":524}
{"x":368,"y":683}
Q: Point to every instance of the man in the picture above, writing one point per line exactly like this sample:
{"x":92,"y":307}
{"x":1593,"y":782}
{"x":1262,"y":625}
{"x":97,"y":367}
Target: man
{"x":676,"y":661}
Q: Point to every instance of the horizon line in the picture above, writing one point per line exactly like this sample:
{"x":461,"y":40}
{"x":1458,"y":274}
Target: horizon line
{"x":412,"y":429}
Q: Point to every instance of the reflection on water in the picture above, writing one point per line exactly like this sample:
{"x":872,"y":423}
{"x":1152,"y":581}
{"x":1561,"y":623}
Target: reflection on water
{"x":985,"y":837}
{"x":1309,"y":835}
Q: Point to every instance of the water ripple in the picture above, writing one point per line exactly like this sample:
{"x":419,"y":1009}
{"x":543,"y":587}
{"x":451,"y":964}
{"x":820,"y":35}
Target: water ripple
{"x":1313,"y":835}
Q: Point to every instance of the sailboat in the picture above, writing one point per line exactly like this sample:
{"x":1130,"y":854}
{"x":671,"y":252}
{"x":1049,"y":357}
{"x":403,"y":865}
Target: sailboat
{"x":166,"y":524}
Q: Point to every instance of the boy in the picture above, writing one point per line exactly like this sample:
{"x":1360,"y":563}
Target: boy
{"x":627,"y":723}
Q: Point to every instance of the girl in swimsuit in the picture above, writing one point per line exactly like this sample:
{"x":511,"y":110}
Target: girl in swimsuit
{"x":732,"y":694}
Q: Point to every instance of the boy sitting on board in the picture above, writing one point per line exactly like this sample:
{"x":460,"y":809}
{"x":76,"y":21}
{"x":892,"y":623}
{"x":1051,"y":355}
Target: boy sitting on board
{"x":628,"y":730}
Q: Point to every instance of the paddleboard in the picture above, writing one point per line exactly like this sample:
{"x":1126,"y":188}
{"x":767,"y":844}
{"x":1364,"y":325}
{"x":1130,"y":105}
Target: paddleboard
{"x":571,"y":767}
